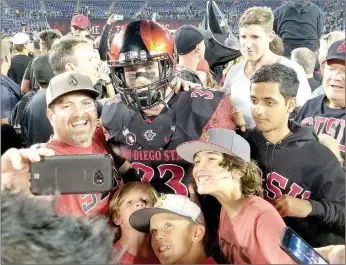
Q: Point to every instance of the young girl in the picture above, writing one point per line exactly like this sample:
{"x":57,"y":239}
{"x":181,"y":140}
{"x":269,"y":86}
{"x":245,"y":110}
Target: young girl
{"x":250,"y":227}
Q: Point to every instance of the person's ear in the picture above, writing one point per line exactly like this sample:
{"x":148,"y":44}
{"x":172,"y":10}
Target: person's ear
{"x":198,"y":233}
{"x":271,"y":36}
{"x":50,"y":115}
{"x":291,"y":103}
{"x":197,"y":48}
{"x":70,"y":67}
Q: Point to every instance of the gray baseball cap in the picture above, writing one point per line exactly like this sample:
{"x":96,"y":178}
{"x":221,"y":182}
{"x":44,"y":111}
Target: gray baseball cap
{"x":216,"y":140}
{"x":68,"y":82}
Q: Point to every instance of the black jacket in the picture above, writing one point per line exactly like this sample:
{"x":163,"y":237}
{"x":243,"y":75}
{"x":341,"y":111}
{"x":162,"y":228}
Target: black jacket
{"x":299,"y":25}
{"x":324,"y":120}
{"x":302,"y":167}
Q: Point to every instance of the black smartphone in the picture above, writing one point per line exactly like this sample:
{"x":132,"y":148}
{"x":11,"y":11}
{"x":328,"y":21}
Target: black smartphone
{"x":298,"y":249}
{"x":72,"y":174}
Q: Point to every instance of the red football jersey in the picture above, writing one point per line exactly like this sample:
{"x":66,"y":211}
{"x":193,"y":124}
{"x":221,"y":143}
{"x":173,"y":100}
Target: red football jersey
{"x":82,"y":204}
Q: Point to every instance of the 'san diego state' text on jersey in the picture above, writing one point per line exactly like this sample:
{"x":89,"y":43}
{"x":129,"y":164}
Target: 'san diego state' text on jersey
{"x":149,"y":144}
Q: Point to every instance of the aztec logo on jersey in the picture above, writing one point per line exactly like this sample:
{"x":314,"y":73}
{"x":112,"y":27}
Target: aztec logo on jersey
{"x":149,"y":135}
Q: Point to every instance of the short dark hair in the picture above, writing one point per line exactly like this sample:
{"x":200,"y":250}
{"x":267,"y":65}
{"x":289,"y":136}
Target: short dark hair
{"x":62,"y":52}
{"x":284,"y":76}
{"x":19,"y":47}
{"x":33,"y":233}
{"x":49,"y":36}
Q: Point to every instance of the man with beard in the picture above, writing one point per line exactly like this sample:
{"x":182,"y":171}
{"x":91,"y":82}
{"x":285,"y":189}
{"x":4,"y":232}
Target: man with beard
{"x":72,"y":113}
{"x":73,"y":116}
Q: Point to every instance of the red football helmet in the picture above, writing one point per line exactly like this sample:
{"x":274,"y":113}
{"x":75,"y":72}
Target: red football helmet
{"x":138,"y":43}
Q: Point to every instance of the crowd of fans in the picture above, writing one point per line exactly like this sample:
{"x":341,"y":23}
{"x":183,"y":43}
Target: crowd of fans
{"x":35,"y":15}
{"x":205,"y":169}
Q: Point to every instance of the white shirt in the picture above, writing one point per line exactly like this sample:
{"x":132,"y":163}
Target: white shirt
{"x":237,"y":85}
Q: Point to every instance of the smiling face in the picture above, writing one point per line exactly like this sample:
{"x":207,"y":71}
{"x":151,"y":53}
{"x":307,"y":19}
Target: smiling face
{"x":334,"y":82}
{"x":74,"y":118}
{"x":209,"y":175}
{"x":171,"y":237}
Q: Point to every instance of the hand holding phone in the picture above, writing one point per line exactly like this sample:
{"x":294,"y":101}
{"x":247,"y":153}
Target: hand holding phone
{"x":298,"y":249}
{"x":73,"y":174}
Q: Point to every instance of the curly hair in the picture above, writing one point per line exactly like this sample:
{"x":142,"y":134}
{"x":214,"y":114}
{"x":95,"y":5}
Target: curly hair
{"x":251,"y":182}
{"x":262,"y":16}
{"x":33,"y":233}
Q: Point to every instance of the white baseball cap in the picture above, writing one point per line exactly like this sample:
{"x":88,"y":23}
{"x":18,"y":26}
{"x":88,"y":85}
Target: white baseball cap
{"x":20,"y":38}
{"x":175,"y":204}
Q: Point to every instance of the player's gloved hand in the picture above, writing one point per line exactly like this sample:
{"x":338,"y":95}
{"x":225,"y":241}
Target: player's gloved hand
{"x":289,"y":206}
{"x":15,"y":168}
{"x":333,"y":254}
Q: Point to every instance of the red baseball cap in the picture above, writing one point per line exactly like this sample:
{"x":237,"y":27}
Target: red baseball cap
{"x":337,"y":51}
{"x":81,"y":21}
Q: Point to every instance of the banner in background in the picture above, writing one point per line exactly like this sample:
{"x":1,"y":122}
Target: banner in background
{"x":63,"y":25}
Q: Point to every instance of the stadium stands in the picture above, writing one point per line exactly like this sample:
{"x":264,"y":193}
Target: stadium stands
{"x":95,"y":9}
{"x":32,"y":11}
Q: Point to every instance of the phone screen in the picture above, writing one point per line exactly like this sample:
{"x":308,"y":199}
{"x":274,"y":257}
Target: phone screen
{"x":303,"y":252}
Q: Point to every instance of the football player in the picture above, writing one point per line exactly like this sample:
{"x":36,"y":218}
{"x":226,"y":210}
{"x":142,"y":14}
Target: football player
{"x":147,"y":121}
